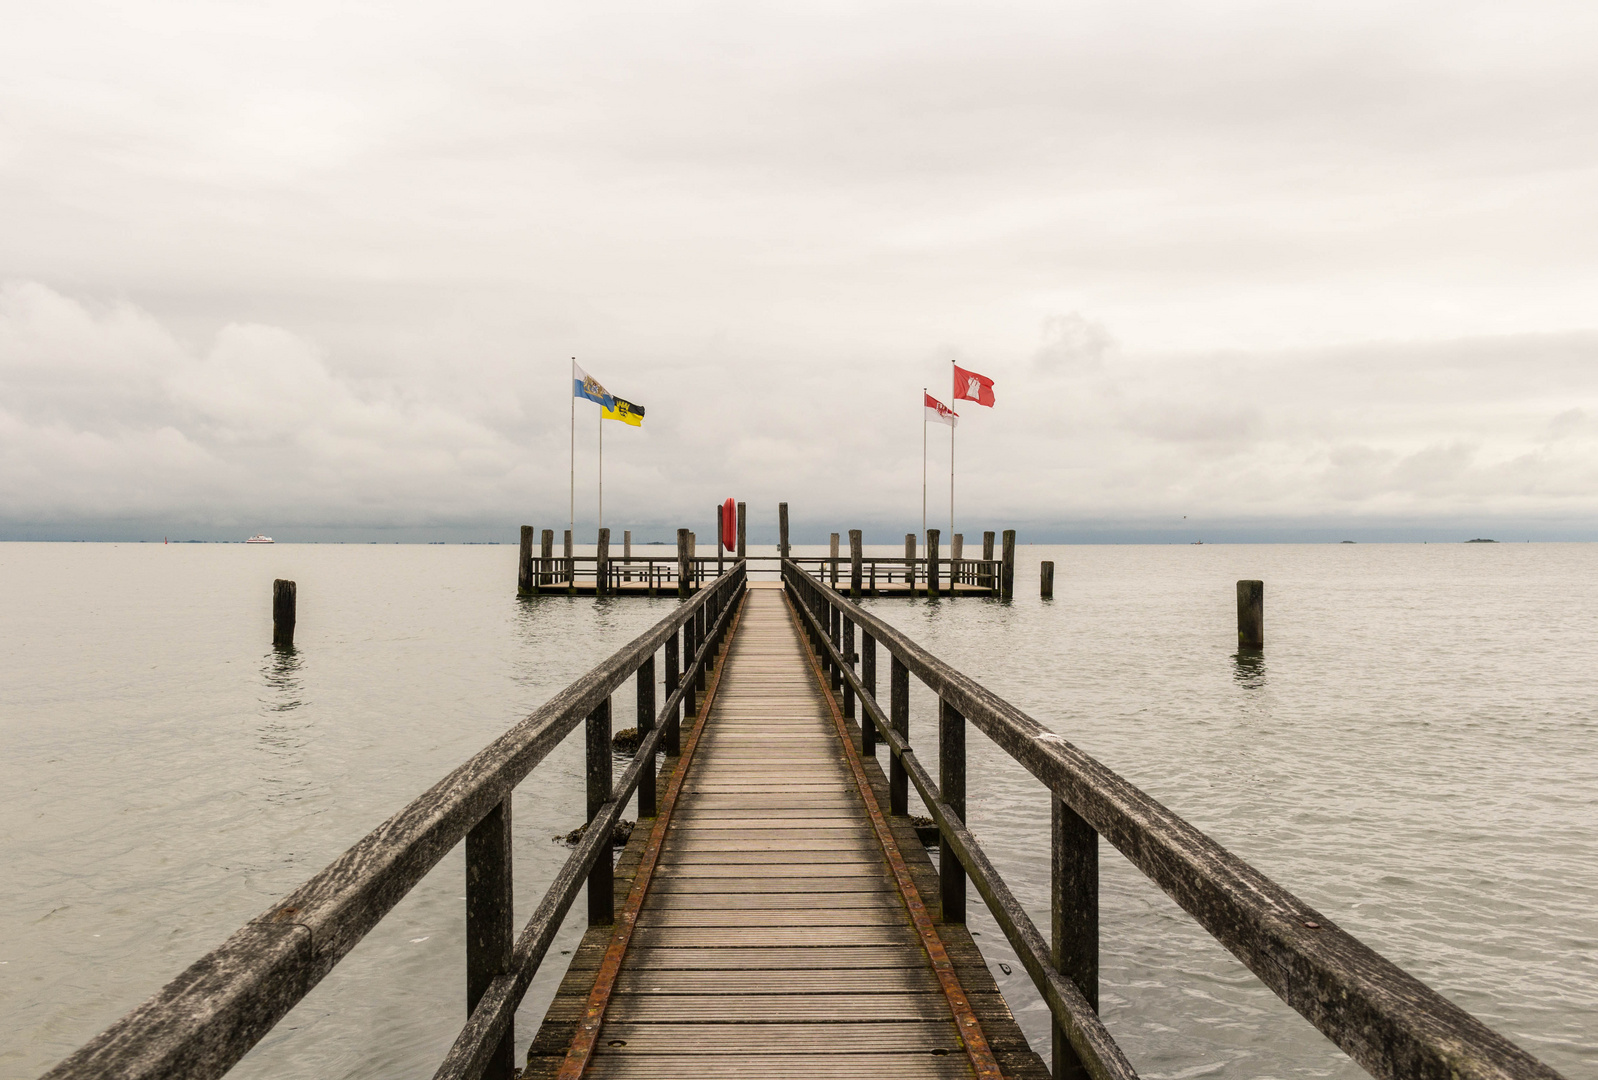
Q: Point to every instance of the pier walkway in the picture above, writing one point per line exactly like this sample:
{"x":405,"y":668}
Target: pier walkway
{"x":773,"y":926}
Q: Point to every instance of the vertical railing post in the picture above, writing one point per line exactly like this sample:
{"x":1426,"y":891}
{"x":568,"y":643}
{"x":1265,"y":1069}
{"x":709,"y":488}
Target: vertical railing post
{"x":673,"y":733}
{"x":849,"y":659}
{"x":782,"y":530}
{"x":868,"y":678}
{"x":899,"y":720}
{"x":602,"y":563}
{"x":743,"y":532}
{"x":646,"y":724}
{"x":690,"y":647}
{"x":546,"y":558}
{"x":1007,"y":570}
{"x":951,"y":789}
{"x":856,"y":553}
{"x":701,"y":634}
{"x":932,"y":562}
{"x":601,"y":879}
{"x":1075,"y":920}
{"x":682,"y":563}
{"x":835,"y":625}
{"x":526,"y":584}
{"x":490,"y":922}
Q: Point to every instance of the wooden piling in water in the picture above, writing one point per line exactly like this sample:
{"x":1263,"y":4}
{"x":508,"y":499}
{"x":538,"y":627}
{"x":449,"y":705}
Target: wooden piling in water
{"x":721,"y":542}
{"x":526,"y":583}
{"x":932,"y":563}
{"x":834,"y":560}
{"x":1251,"y":614}
{"x":856,"y":559}
{"x":546,"y":559}
{"x":956,"y":552}
{"x":1007,"y":570}
{"x":782,"y":530}
{"x":987,"y":556}
{"x":602,"y":564}
{"x":283,"y":603}
{"x":909,"y":564}
{"x":1046,"y":580}
{"x":682,"y":562}
{"x":570,"y":569}
{"x":743,"y":531}
{"x":627,"y":553}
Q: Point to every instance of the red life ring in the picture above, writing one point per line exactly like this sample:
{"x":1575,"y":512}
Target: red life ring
{"x":729,"y":524}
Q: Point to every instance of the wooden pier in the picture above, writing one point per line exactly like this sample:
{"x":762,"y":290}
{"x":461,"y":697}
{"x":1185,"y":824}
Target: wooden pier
{"x":774,"y":921}
{"x":776,"y":915}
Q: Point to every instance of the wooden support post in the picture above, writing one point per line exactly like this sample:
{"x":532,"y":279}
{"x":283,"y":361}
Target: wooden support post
{"x":933,"y":587}
{"x":743,"y":531}
{"x":899,"y":720}
{"x":1007,"y":570}
{"x":690,"y":685}
{"x":835,"y":620}
{"x":546,"y":558}
{"x":646,"y":724}
{"x":601,"y":880}
{"x":1251,"y":614}
{"x":672,"y":736}
{"x":834,"y":581}
{"x":721,"y":544}
{"x":571,"y":564}
{"x":782,"y":530}
{"x":682,"y":563}
{"x":701,"y":636}
{"x":602,"y":564}
{"x":951,"y":787}
{"x":284,"y":594}
{"x":848,"y":658}
{"x":526,"y":584}
{"x":856,"y":555}
{"x":987,"y":556}
{"x":490,"y":922}
{"x":1075,"y":921}
{"x":627,"y":554}
{"x":868,"y":678}
{"x":909,"y":564}
{"x":956,"y":552}
{"x":1046,"y":579}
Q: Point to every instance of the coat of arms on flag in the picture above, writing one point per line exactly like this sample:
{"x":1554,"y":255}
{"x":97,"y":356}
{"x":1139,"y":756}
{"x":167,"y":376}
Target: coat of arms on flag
{"x":969,"y":386}
{"x":585,"y":385}
{"x":937,"y":410}
{"x":625,"y":411}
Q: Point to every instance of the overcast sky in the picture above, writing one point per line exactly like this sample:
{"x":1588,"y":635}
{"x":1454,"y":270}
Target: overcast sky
{"x":319,"y":269}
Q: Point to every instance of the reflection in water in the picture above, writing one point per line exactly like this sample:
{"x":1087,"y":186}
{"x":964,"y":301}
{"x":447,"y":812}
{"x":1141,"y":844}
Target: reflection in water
{"x":1248,"y":668}
{"x":282,"y":735}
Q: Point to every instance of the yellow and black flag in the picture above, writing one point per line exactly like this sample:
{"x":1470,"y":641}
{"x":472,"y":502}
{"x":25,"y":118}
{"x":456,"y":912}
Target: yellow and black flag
{"x":625,"y":411}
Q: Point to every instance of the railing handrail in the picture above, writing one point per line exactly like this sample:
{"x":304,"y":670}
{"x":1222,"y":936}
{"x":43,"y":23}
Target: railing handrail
{"x":202,"y":1022}
{"x":1386,"y":1020}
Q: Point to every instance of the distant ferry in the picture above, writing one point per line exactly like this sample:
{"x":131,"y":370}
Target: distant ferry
{"x":259,"y":539}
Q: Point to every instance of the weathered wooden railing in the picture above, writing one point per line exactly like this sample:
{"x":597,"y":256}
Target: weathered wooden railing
{"x":1389,"y":1022}
{"x":205,"y":1020}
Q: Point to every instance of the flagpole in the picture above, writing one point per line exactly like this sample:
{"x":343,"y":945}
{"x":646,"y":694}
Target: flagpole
{"x":923,"y":463}
{"x":601,"y":466}
{"x":951,"y":485}
{"x":571,"y":519}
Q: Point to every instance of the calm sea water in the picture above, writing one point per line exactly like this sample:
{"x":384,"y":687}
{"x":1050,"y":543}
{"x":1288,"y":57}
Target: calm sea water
{"x":1416,"y":755}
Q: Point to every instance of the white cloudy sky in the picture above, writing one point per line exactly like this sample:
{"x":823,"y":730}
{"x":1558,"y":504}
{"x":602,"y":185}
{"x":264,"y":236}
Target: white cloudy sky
{"x":318,"y":268}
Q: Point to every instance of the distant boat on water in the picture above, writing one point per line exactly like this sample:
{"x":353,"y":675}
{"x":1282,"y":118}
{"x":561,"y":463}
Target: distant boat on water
{"x":259,"y":539}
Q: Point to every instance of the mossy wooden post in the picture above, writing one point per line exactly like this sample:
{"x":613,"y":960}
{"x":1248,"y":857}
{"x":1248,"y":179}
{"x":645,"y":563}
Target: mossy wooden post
{"x":570,"y":569}
{"x":526,"y":582}
{"x":987,"y":556}
{"x":834,"y":581}
{"x":682,"y":563}
{"x":956,"y":552}
{"x":1251,"y":615}
{"x":743,"y":531}
{"x":283,"y":602}
{"x":933,"y":587}
{"x":1046,"y":579}
{"x":782,"y":530}
{"x":909,"y":561}
{"x":856,"y":558}
{"x":1007,"y":570}
{"x":602,"y":564}
{"x":627,"y":554}
{"x":546,"y":558}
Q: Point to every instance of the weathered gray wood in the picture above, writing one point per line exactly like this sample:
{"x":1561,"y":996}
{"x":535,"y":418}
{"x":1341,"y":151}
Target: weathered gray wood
{"x":721,"y":542}
{"x":856,"y":550}
{"x":868,"y":679}
{"x":601,"y":879}
{"x":933,"y":584}
{"x":956,"y":553}
{"x":684,"y":548}
{"x":834,"y":557}
{"x":1250,"y":615}
{"x":782,"y":530}
{"x":570,"y":568}
{"x":848,"y":655}
{"x":1046,"y":579}
{"x":1007,"y":569}
{"x":1074,"y":921}
{"x":743,"y":531}
{"x":490,"y":922}
{"x":284,"y":600}
{"x":951,"y":787}
{"x":627,"y":553}
{"x":546,"y":565}
{"x":673,"y":676}
{"x":526,"y":583}
{"x":909,"y":560}
{"x":899,"y":719}
{"x":602,"y":564}
{"x":645,"y":680}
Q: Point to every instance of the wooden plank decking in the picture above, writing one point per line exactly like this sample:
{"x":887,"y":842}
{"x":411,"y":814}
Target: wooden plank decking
{"x":773,"y":940}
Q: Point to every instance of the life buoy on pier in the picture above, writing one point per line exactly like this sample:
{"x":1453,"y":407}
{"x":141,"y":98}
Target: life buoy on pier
{"x":729,"y":524}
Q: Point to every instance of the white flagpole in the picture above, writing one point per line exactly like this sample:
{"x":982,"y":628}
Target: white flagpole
{"x":951,"y":486}
{"x":571,"y":519}
{"x":923,"y":463}
{"x":601,"y":466}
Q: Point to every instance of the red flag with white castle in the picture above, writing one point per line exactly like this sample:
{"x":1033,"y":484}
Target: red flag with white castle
{"x":969,"y":386}
{"x":937,"y":410}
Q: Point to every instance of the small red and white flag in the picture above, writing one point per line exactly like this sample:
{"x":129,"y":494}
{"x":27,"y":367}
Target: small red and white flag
{"x":937,"y":410}
{"x":969,"y":386}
